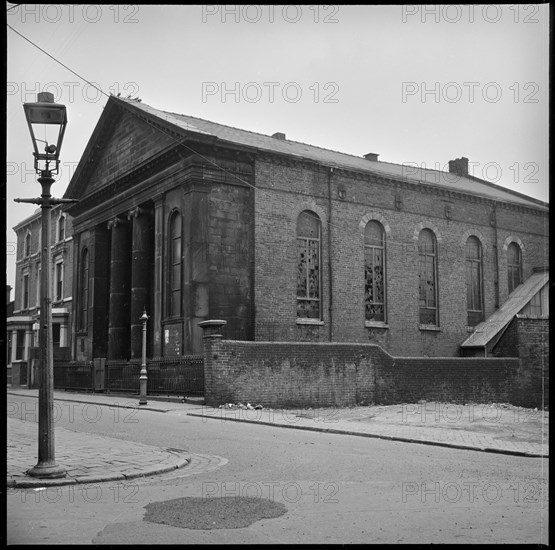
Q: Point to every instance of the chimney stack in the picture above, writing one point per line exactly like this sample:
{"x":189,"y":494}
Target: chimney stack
{"x":459,"y":166}
{"x":279,"y":135}
{"x":372,"y":156}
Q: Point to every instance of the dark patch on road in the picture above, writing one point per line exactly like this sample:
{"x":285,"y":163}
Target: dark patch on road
{"x":212,"y":513}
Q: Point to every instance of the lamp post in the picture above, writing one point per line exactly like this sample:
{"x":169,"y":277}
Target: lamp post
{"x":50,"y":118}
{"x":143,"y":378}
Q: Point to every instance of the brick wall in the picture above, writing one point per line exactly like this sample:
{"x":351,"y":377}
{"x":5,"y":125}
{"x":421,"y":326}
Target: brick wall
{"x":294,"y":374}
{"x":528,"y":339}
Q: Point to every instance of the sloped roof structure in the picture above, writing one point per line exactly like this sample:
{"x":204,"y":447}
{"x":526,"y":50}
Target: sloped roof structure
{"x":488,"y":330}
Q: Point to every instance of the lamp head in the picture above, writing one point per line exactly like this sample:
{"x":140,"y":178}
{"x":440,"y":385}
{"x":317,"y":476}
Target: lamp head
{"x":47,"y":122}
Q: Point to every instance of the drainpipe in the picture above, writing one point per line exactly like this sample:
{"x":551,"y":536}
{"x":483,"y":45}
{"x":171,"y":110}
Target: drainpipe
{"x":493,"y":222}
{"x":330,"y":280}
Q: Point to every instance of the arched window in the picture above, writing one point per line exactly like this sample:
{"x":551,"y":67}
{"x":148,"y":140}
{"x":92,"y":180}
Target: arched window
{"x":84,"y":290}
{"x":374,"y":272}
{"x":61,"y":228}
{"x":427,"y":278}
{"x":175,"y":261}
{"x":474,"y":302}
{"x":309,"y":230}
{"x":27,"y":251}
{"x":514,"y":266}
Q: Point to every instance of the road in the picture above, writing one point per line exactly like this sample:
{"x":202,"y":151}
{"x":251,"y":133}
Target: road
{"x":317,"y":488}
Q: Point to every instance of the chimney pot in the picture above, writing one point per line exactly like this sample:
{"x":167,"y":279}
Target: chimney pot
{"x":279,"y":135}
{"x":372,"y":156}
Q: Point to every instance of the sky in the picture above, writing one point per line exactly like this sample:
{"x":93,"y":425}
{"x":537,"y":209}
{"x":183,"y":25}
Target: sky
{"x":417,"y":84}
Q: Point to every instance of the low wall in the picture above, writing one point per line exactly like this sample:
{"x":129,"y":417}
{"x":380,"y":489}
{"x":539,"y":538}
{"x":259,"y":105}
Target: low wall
{"x":294,"y":374}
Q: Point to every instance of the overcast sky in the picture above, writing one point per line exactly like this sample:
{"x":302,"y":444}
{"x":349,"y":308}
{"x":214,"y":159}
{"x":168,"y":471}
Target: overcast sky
{"x":415,"y":84}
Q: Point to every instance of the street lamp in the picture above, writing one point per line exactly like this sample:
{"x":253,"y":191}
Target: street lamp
{"x":143,"y":375}
{"x":47,"y":122}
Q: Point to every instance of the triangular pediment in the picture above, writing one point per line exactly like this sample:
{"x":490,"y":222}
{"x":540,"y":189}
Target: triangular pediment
{"x":121,"y":142}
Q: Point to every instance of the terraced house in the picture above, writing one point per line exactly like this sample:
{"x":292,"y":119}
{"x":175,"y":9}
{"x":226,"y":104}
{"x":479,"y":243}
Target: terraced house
{"x":23,"y":323}
{"x":191,"y":220}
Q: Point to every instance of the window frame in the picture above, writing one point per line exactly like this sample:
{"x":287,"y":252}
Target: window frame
{"x":175,"y":265}
{"x":84,"y":290}
{"x":304,"y":246}
{"x":58,"y":280}
{"x":373,"y":248}
{"x":474,"y":315}
{"x":61,"y":233}
{"x":427,"y":256}
{"x":26,"y":291}
{"x":513,"y":268}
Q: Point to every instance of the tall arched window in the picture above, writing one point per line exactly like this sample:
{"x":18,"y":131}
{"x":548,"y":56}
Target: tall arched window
{"x":309,"y":230}
{"x":514,"y":266}
{"x":374,"y":272}
{"x":175,"y":261}
{"x":474,"y":302}
{"x":27,"y":251}
{"x":427,"y":278}
{"x":84,"y":290}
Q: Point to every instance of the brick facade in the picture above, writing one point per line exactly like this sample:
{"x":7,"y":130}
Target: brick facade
{"x":345,"y":203}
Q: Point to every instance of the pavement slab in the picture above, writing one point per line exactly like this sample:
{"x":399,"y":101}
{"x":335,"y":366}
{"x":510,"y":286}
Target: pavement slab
{"x":105,"y":459}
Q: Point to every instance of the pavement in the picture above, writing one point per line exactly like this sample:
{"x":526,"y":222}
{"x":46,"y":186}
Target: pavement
{"x":87,"y":458}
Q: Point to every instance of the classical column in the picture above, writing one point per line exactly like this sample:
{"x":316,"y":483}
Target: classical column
{"x":156,"y":316}
{"x":141,"y":254}
{"x":119,"y":307}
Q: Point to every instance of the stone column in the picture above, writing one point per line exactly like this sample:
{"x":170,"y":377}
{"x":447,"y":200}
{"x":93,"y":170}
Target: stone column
{"x":141,"y":254}
{"x":156,"y":315}
{"x":119,"y":307}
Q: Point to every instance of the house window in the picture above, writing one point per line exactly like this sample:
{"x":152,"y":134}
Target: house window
{"x":374,"y":272}
{"x":59,"y":282}
{"x":474,"y":302}
{"x":427,"y":277}
{"x":26,"y":291}
{"x":61,"y":228}
{"x":20,"y":345}
{"x":84,"y":290}
{"x":175,"y":264}
{"x":309,"y":229}
{"x":28,"y":244}
{"x":514,"y":266}
{"x":37,"y":301}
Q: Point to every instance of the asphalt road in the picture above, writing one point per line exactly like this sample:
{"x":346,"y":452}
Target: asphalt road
{"x":311,"y":488}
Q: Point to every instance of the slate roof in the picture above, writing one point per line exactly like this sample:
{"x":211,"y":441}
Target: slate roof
{"x":486,"y":331}
{"x":262,"y":142}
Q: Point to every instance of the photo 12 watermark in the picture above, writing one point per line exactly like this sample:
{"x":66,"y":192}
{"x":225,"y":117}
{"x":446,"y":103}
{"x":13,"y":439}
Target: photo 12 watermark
{"x":469,"y":92}
{"x":268,"y":13}
{"x":469,"y":13}
{"x":88,"y":493}
{"x":70,"y":92}
{"x":72,"y":412}
{"x":269,"y":92}
{"x":470,"y":492}
{"x":291,"y":492}
{"x":74,"y":13}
